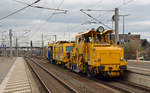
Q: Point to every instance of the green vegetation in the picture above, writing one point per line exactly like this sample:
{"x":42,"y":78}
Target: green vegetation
{"x":145,"y":44}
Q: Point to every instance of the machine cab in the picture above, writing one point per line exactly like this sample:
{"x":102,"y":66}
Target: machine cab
{"x":94,"y":37}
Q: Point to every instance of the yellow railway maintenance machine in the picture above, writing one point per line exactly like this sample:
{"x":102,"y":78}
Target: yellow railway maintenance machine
{"x":94,"y":54}
{"x":49,"y":52}
{"x":61,"y":52}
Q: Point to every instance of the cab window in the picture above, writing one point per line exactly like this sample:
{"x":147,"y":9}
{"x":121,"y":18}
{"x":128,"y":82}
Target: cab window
{"x":87,"y":39}
{"x":99,"y":38}
{"x":79,"y":40}
{"x":68,"y":48}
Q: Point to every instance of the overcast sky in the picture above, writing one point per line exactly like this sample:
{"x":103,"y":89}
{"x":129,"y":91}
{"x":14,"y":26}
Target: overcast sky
{"x":66,"y":26}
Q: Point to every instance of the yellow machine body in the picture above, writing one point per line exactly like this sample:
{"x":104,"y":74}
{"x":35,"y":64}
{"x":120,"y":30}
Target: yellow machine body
{"x":95,"y":53}
{"x":47,"y":50}
{"x":61,"y":52}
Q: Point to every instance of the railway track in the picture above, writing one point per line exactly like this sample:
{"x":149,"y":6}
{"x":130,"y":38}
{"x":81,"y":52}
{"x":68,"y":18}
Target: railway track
{"x":122,"y":86}
{"x":82,"y":84}
{"x":50,"y":82}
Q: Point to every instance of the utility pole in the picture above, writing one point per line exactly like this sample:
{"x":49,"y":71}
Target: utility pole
{"x":3,"y":43}
{"x":17,"y":47}
{"x":123,"y":16}
{"x":31,"y":47}
{"x":116,"y":25}
{"x":10,"y":35}
{"x":42,"y":46}
{"x":123,"y":27}
{"x":55,"y":38}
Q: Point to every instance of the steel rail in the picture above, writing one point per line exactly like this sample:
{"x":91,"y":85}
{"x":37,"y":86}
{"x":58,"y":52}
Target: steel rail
{"x":103,"y":82}
{"x":38,"y":77}
{"x":144,"y":88}
{"x":55,"y":77}
{"x":109,"y":85}
{"x":123,"y":83}
{"x":126,"y":83}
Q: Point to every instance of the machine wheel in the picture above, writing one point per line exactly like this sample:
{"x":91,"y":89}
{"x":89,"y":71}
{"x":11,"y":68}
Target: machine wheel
{"x":63,"y":65}
{"x":51,"y":61}
{"x":54,"y":62}
{"x":89,"y":73}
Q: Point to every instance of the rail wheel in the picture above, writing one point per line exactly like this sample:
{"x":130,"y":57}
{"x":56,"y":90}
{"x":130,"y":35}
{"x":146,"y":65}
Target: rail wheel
{"x":63,"y":65}
{"x":90,"y":73}
{"x":51,"y":61}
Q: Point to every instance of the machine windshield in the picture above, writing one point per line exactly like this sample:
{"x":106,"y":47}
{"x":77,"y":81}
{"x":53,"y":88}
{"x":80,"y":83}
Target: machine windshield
{"x":98,"y":38}
{"x":95,"y":38}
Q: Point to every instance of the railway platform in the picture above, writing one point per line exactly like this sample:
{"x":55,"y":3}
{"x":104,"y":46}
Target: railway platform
{"x":18,"y":79}
{"x":5,"y":65}
{"x":142,"y":67}
{"x":138,"y":73}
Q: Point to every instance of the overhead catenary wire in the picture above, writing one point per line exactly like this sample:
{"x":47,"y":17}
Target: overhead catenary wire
{"x":95,"y":19}
{"x":49,"y":17}
{"x":40,"y":7}
{"x":125,"y":3}
{"x":19,"y":10}
{"x":93,"y":9}
{"x":94,"y":22}
{"x":89,"y":21}
{"x":55,"y":11}
{"x":78,"y":26}
{"x":53,"y":14}
{"x":97,"y":10}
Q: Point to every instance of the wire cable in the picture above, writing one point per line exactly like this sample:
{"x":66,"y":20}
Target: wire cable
{"x":19,"y":10}
{"x":38,"y":29}
{"x":40,"y":7}
{"x":95,"y":19}
{"x":125,"y":3}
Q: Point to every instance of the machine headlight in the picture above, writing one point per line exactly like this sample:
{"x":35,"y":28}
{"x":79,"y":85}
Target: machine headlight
{"x":121,"y":59}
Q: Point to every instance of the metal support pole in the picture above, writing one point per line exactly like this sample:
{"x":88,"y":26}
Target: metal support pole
{"x":123,"y":27}
{"x":10,"y":35}
{"x":137,"y":56}
{"x":112,"y":25}
{"x":3,"y":43}
{"x":116,"y":25}
{"x":31,"y":47}
{"x":5,"y":52}
{"x":55,"y":38}
{"x":16,"y":47}
{"x":123,"y":16}
{"x":42,"y":46}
